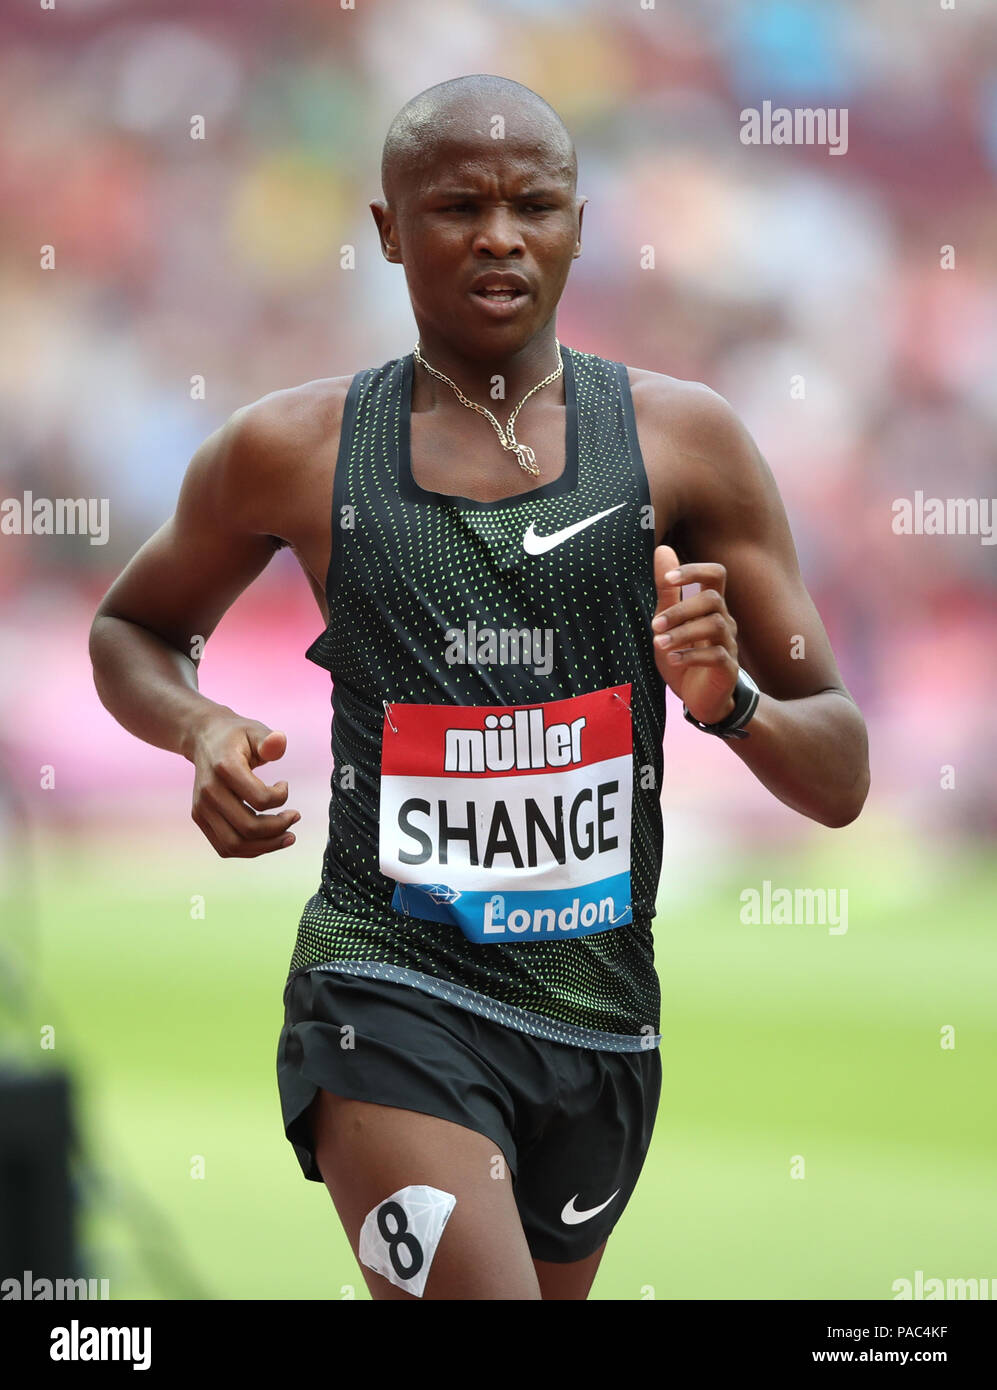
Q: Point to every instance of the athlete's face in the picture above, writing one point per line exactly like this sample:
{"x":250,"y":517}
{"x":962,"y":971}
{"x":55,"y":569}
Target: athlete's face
{"x":476,"y":214}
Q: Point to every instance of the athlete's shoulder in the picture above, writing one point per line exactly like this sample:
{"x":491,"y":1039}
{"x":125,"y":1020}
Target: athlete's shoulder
{"x":698,"y":420}
{"x":261,"y":458}
{"x":289,"y":419}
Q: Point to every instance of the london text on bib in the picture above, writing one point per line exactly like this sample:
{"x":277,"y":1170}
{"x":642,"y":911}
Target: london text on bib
{"x":511,"y":822}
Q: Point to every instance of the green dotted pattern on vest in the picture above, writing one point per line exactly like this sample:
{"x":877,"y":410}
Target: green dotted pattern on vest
{"x":407,"y":566}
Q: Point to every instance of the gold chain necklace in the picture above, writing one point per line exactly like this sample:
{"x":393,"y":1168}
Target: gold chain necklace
{"x":527,"y":458}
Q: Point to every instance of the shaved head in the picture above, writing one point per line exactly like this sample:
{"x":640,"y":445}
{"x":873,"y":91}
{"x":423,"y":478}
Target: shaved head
{"x":480,"y":178}
{"x":466,"y":106}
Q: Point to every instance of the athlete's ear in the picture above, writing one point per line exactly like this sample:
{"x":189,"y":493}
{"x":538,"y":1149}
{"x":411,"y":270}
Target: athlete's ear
{"x":578,"y":244}
{"x":386,"y":230}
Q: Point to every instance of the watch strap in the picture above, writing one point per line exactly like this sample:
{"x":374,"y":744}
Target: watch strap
{"x":746,"y":697}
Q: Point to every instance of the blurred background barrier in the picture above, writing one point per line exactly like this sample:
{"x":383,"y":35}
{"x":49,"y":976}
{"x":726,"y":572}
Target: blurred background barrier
{"x":846,"y":305}
{"x":36,"y":1202}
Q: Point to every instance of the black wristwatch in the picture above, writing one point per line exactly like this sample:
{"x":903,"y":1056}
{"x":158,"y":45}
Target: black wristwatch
{"x":746,"y":697}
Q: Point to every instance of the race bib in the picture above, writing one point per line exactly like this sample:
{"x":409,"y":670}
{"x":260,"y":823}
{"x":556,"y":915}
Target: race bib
{"x":510,"y":822}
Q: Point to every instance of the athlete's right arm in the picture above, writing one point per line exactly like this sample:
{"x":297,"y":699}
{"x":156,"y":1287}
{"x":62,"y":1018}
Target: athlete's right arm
{"x":152,"y":624}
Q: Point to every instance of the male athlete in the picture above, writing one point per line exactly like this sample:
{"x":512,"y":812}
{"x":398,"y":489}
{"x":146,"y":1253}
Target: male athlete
{"x":470,"y":1058}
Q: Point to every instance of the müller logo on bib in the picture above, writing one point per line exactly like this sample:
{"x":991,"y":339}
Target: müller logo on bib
{"x":511,"y":822}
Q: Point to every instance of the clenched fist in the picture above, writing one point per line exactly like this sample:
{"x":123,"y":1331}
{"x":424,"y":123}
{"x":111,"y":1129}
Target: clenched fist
{"x":695,"y":639}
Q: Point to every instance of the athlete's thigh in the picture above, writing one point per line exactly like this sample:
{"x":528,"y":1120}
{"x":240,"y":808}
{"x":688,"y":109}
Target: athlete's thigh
{"x":367,"y":1152}
{"x":568,"y":1281}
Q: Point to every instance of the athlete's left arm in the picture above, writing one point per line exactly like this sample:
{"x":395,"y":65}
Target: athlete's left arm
{"x":807,"y":740}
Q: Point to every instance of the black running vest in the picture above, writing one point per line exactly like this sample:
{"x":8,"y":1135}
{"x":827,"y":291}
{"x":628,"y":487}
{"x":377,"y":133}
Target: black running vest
{"x":495,"y":836}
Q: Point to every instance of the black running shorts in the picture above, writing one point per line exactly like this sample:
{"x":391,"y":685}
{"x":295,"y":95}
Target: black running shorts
{"x":573,"y":1123}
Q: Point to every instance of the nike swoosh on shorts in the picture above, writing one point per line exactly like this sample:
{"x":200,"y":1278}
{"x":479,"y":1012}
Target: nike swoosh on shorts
{"x":571,"y":1217}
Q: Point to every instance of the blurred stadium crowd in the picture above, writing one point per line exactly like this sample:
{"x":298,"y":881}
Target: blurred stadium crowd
{"x":221,"y":257}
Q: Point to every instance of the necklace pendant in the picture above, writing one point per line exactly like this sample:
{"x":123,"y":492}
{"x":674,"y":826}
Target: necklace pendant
{"x":527,"y":460}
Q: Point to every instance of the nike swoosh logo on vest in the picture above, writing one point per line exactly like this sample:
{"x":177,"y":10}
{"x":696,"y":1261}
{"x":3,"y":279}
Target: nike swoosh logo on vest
{"x":539,"y":545}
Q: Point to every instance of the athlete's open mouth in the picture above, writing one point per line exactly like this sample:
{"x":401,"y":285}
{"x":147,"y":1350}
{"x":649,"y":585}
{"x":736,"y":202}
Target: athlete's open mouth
{"x":500,"y":296}
{"x":500,"y":288}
